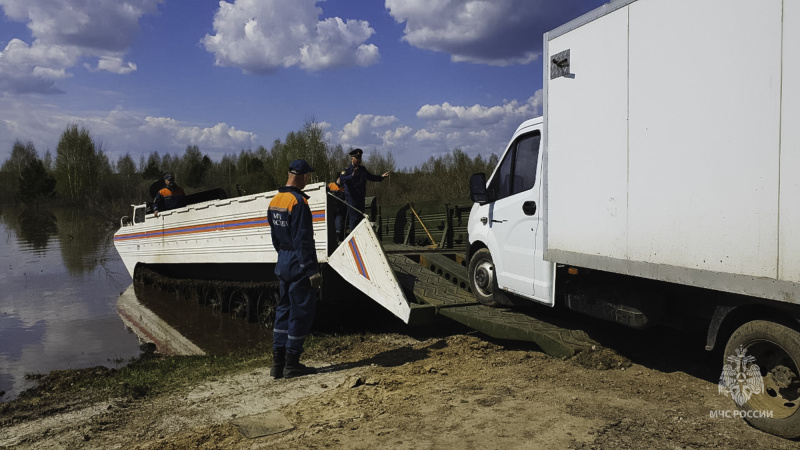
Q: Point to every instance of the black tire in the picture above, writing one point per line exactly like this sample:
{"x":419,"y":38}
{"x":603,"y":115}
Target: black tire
{"x":776,"y":349}
{"x":267,"y":303}
{"x":483,"y":281}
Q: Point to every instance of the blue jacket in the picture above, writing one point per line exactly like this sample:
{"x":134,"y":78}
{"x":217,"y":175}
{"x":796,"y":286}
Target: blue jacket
{"x":355,"y":185}
{"x":292,"y":232}
{"x":169,"y":197}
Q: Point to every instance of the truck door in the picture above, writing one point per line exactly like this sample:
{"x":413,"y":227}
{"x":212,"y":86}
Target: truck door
{"x":514,"y":219}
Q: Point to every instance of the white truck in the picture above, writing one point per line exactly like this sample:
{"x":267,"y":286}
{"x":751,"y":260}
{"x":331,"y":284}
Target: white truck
{"x":662,"y":185}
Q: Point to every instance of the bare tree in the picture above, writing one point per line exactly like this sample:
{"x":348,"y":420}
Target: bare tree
{"x":77,"y":164}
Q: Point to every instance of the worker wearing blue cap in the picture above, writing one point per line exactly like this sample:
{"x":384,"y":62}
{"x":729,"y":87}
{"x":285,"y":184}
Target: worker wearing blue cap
{"x":355,"y":178}
{"x":297,"y":270}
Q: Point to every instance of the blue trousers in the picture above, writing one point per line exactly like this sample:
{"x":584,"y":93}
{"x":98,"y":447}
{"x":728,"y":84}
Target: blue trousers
{"x":355,"y":212}
{"x":294,"y":315}
{"x":339,"y":221}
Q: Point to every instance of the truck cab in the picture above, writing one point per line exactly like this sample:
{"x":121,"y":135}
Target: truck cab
{"x":507,"y":219}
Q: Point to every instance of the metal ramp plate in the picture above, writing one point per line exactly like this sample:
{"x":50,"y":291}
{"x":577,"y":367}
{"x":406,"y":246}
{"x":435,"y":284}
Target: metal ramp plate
{"x":361,"y":261}
{"x":427,"y":286}
{"x":502,"y":323}
{"x":507,"y":324}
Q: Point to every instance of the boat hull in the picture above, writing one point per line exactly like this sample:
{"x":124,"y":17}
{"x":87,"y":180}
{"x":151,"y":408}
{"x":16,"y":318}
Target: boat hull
{"x":215,"y":235}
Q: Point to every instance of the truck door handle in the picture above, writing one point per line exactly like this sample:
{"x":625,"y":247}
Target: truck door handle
{"x":529,"y":208}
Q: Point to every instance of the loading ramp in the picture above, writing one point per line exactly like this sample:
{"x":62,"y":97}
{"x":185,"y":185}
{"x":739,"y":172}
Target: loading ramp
{"x":418,"y":283}
{"x":440,"y":287}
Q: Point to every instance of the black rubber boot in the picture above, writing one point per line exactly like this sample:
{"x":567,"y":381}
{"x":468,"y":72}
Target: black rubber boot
{"x":278,"y":362}
{"x":294,"y":368}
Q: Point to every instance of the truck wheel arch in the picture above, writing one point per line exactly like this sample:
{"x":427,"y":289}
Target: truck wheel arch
{"x":727,"y":318}
{"x":472,"y":248}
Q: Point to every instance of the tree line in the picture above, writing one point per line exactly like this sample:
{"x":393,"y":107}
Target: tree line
{"x":81,"y":174}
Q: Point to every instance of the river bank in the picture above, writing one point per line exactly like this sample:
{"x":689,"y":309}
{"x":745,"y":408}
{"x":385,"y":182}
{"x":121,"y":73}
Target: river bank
{"x":427,"y":389}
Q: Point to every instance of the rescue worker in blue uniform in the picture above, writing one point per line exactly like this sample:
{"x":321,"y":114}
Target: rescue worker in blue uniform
{"x":171,"y":196}
{"x":297,"y":270}
{"x":355,"y":178}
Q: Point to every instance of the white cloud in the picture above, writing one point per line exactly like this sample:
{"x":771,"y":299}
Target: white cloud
{"x":365,"y":129}
{"x":64,"y":32}
{"x":450,"y":116}
{"x":476,"y":130}
{"x":118,"y":131}
{"x":425,"y":135}
{"x":19,"y":54}
{"x":20,"y":121}
{"x":113,"y":64}
{"x":49,"y":74}
{"x":496,"y":32}
{"x":220,"y":138}
{"x":264,"y":36}
{"x":397,"y":136}
{"x":93,"y":25}
{"x":436,"y":130}
{"x":34,"y":68}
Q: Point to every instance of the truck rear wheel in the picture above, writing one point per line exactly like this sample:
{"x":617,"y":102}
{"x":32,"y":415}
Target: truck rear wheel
{"x":775,"y":350}
{"x":483,"y":281}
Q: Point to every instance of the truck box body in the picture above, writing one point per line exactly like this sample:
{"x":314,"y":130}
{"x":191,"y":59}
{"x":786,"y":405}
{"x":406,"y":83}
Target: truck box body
{"x":673,"y":145}
{"x":667,"y":162}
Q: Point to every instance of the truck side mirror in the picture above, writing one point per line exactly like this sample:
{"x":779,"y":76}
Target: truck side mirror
{"x":477,"y":188}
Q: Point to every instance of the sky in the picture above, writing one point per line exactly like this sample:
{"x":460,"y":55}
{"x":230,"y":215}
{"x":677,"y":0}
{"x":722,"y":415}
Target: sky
{"x":414,"y":78}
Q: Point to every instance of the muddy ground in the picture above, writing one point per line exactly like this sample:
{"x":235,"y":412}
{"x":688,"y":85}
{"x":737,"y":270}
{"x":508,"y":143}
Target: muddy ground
{"x":433,"y":388}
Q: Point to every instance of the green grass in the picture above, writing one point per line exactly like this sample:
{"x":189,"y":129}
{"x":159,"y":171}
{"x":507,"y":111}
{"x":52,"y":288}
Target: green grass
{"x":156,"y":375}
{"x":152,"y":376}
{"x":149,"y":376}
{"x":142,"y":377}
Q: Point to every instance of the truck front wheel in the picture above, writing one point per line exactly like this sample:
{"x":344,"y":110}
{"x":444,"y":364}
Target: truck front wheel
{"x":483,"y":281}
{"x":762,"y":375}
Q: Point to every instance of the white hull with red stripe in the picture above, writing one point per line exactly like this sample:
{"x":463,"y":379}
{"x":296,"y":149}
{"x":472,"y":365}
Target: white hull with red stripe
{"x":233,"y":230}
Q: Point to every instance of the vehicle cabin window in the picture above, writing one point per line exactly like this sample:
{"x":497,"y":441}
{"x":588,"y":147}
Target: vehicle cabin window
{"x":138,"y":214}
{"x":517,"y":171}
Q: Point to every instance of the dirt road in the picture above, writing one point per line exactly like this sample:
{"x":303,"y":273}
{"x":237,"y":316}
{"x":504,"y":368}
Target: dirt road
{"x":434,"y":390}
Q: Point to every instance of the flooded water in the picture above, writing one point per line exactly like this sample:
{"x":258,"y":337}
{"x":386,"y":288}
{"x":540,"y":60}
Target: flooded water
{"x":61,"y":302}
{"x":213,"y":332}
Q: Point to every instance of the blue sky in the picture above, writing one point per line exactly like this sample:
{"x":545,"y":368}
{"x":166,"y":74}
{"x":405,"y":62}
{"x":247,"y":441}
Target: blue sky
{"x":416,"y":78}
